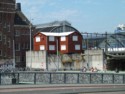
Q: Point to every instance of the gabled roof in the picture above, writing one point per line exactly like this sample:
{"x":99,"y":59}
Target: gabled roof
{"x":21,"y":19}
{"x":57,"y":34}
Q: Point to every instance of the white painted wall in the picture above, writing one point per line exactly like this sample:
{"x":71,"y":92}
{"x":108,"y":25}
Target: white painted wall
{"x":95,"y":58}
{"x":36,"y":59}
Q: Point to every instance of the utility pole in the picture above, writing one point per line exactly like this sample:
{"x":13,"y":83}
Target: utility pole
{"x":106,"y":49}
{"x":30,"y":27}
{"x":87,"y":52}
{"x":57,"y":55}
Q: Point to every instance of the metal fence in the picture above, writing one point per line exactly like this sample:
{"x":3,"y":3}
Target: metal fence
{"x":61,"y":78}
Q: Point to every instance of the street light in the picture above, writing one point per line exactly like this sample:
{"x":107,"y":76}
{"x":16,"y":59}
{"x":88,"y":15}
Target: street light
{"x":57,"y":54}
{"x":30,"y":28}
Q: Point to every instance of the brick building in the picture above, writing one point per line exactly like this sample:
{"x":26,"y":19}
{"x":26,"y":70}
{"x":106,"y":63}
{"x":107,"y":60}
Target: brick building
{"x":14,"y":34}
{"x":22,"y":29}
{"x":7,"y":14}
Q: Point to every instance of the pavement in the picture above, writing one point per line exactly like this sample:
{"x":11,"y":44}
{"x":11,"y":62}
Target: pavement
{"x":59,"y":85}
{"x":62,"y":89}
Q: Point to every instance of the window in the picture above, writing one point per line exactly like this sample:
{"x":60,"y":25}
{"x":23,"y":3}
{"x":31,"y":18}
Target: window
{"x":77,"y":47}
{"x":51,"y":47}
{"x":4,"y":54}
{"x":37,"y":39}
{"x":23,"y":58}
{"x":17,"y":47}
{"x":0,"y":36}
{"x":17,"y":58}
{"x":4,"y":39}
{"x":42,"y":47}
{"x":75,"y":38}
{"x":23,"y":46}
{"x":0,"y":17}
{"x":5,"y":25}
{"x":9,"y":28}
{"x":63,"y":38}
{"x":9,"y":44}
{"x":17,"y":33}
{"x":51,"y":38}
{"x":27,"y":45}
{"x":0,"y":52}
{"x":63,"y":47}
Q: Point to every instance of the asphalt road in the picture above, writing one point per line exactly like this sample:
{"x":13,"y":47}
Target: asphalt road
{"x":105,"y":93}
{"x":66,"y":90}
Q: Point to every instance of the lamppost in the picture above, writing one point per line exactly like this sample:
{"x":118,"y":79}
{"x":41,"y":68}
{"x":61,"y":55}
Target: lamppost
{"x":30,"y":28}
{"x":57,"y":55}
{"x":87,"y":52}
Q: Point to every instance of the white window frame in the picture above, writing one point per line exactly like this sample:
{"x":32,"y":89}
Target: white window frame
{"x":63,"y":47}
{"x":75,"y":38}
{"x":51,"y":47}
{"x":77,"y":47}
{"x":51,"y":38}
{"x":63,"y":38}
{"x":42,"y":47}
{"x":37,"y":38}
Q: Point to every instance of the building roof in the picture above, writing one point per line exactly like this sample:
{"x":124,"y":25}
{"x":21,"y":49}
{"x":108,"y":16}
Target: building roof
{"x":53,"y":24}
{"x":57,"y":34}
{"x":20,"y":18}
{"x":116,"y":40}
{"x":46,"y":29}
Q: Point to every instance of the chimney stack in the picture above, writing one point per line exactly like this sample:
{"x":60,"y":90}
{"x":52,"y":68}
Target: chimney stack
{"x":18,"y":6}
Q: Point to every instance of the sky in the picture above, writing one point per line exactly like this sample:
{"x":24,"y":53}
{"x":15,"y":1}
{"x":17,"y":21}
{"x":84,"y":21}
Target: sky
{"x":92,"y":16}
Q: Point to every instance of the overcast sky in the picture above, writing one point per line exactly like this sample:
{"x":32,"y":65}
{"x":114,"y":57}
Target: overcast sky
{"x":85,"y":15}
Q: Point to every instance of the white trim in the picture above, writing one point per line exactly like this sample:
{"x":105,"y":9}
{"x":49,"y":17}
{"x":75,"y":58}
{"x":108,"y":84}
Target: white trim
{"x":56,"y":34}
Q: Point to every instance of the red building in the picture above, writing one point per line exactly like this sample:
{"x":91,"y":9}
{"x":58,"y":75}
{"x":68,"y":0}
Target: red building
{"x":64,"y":42}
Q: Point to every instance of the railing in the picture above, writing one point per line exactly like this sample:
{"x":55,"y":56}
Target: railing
{"x":61,"y":78}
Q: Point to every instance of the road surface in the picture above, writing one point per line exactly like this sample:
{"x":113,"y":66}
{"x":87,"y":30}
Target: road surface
{"x":73,"y":89}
